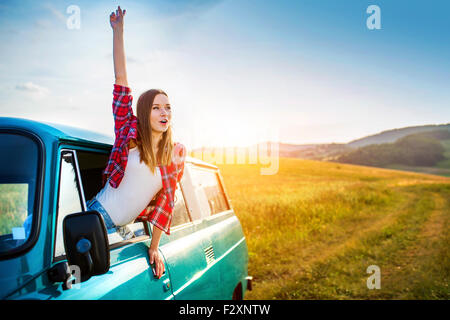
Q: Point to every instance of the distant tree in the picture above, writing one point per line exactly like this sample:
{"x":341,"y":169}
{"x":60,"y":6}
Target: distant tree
{"x":418,"y":149}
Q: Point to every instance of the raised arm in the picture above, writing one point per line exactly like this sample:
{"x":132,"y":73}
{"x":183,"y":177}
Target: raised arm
{"x":120,"y":69}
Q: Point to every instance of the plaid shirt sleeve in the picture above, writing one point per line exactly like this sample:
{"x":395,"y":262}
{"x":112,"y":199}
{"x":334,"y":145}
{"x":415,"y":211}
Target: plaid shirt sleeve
{"x":125,"y":128}
{"x":161,"y":214}
{"x":122,"y":111}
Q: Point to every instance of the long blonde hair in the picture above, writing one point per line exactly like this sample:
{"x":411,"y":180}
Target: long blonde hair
{"x":144,"y":141}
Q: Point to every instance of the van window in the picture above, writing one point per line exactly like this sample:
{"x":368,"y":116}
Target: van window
{"x":180,"y":213}
{"x":208,"y":191}
{"x":69,"y":200}
{"x":18,"y":176}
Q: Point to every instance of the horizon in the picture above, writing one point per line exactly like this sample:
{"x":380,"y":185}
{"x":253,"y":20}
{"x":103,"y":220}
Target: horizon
{"x":269,"y":141}
{"x":237,"y":72}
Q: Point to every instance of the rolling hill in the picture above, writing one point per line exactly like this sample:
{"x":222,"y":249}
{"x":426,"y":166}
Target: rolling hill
{"x":427,"y":151}
{"x":394,"y":134}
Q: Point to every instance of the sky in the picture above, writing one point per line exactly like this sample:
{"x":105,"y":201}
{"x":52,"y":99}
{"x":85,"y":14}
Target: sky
{"x":237,"y":72}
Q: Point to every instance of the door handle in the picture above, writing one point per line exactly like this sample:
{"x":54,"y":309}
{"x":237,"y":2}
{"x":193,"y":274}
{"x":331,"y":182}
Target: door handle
{"x":154,"y":270}
{"x":166,"y":284}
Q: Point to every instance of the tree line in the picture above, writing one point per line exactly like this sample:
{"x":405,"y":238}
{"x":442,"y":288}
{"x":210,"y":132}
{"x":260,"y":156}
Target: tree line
{"x":418,"y":149}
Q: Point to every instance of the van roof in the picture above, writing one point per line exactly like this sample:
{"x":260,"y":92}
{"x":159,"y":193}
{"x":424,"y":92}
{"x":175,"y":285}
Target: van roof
{"x":55,"y":131}
{"x":68,"y":133}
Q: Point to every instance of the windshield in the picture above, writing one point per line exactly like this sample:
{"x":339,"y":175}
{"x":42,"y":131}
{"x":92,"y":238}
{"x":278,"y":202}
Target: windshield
{"x":18,"y":175}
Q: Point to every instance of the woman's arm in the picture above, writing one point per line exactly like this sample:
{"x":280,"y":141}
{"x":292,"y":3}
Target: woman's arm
{"x":122,"y":99}
{"x":153,"y":252}
{"x":120,"y":70}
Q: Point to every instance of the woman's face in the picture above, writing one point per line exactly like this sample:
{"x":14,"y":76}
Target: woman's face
{"x":160,"y":115}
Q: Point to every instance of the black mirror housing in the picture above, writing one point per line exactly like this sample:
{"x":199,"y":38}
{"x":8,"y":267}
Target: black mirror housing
{"x":86,"y":243}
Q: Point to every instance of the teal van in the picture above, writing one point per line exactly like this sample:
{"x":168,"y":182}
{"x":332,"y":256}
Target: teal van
{"x":52,"y":248}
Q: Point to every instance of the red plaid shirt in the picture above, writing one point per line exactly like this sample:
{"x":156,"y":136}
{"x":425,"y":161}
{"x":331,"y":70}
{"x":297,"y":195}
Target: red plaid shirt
{"x":125,"y":128}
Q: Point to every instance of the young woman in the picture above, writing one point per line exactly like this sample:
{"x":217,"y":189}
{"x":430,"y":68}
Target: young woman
{"x":144,"y":163}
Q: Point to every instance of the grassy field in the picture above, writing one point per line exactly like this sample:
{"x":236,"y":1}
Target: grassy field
{"x":314,"y":228}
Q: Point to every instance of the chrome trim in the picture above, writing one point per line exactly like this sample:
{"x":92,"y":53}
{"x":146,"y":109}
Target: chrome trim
{"x":209,"y":254}
{"x":73,"y":154}
{"x":77,"y":173}
{"x":77,"y":167}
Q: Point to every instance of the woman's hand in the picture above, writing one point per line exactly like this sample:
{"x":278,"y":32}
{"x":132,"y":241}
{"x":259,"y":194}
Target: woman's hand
{"x":116,"y":19}
{"x":155,"y":257}
{"x":153,"y":253}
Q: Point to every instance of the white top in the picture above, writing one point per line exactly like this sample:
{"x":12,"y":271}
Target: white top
{"x":138,"y":186}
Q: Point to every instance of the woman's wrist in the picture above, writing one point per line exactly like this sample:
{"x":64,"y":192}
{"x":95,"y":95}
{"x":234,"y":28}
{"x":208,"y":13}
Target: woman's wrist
{"x":118,"y":31}
{"x":154,"y":246}
{"x":156,"y":236}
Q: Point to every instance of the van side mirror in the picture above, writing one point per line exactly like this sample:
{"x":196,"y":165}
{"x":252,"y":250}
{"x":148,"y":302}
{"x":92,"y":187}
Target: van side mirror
{"x":86,"y":243}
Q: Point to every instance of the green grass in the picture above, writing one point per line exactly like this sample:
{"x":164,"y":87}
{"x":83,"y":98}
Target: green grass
{"x":343,"y":276}
{"x":442,"y":168}
{"x":314,"y":227}
{"x":13,"y":206}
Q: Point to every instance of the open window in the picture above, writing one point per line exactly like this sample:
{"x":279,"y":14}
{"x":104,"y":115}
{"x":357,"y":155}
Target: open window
{"x":92,"y":164}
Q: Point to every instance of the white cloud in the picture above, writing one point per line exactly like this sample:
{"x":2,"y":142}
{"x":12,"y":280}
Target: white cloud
{"x":35,"y":91}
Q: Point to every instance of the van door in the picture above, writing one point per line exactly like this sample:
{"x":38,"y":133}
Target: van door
{"x":130,"y":275}
{"x":190,"y":261}
{"x":224,"y":229}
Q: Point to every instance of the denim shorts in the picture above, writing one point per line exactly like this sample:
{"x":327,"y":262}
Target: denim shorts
{"x":123,"y":231}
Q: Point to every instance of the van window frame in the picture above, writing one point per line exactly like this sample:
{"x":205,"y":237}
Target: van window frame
{"x":61,"y":151}
{"x":98,"y":150}
{"x":222,"y":187}
{"x":190,"y":222}
{"x":37,"y":205}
